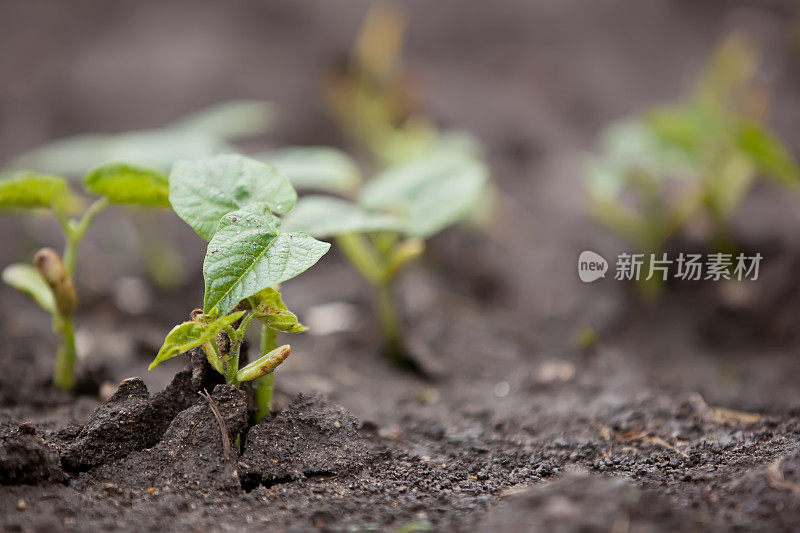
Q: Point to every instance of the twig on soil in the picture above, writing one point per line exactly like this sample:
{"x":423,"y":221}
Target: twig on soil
{"x":226,"y":441}
{"x":646,"y":437}
{"x":775,"y":479}
{"x":722,"y":415}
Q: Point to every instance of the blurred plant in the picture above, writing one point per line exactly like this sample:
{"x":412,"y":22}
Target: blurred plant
{"x":50,"y":282}
{"x":384,"y":223}
{"x":202,"y":133}
{"x":376,"y":101}
{"x":666,"y":165}
{"x":232,"y":202}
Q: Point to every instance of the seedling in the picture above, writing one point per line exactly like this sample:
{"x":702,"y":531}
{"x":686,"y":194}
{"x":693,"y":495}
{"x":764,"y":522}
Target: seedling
{"x":383,"y":226}
{"x":233,"y":201}
{"x":50,"y":282}
{"x":669,"y":165}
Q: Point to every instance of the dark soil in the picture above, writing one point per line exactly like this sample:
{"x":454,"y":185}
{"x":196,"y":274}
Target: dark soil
{"x":682,"y":415}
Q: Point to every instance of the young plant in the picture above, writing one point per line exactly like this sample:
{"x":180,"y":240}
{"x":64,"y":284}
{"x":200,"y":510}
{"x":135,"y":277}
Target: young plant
{"x":384,"y":223}
{"x":233,"y":201}
{"x":50,"y":282}
{"x":700,"y":157}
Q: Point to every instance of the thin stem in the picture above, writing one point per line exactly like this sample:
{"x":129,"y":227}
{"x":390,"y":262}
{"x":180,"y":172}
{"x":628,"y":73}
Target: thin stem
{"x":363,"y":256}
{"x":75,"y":230}
{"x":265,"y":384}
{"x":232,"y":363}
{"x":390,"y":324}
{"x":64,"y":375}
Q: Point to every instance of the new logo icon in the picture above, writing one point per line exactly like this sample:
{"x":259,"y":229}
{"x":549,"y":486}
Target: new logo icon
{"x":591,"y":266}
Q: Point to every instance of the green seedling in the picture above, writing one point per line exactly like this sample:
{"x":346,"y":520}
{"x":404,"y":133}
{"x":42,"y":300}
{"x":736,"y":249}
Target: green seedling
{"x":383,"y":224}
{"x":50,"y":281}
{"x":671,"y":165}
{"x":233,"y":201}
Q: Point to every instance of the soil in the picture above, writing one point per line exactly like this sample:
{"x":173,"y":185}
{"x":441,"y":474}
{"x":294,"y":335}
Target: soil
{"x":682,"y":415}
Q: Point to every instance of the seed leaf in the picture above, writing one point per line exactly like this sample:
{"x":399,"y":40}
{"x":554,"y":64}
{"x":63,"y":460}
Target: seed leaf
{"x":29,"y":190}
{"x":248,"y":254}
{"x":430,"y":192}
{"x":127,"y":184}
{"x":205,"y":189}
{"x":269,"y":308}
{"x":265,"y":364}
{"x":192,"y":334}
{"x":316,"y":167}
{"x":325,"y":216}
{"x":26,"y":278}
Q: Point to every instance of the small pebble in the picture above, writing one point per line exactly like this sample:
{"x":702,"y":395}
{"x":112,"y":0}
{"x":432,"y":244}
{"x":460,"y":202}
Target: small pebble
{"x":22,"y":504}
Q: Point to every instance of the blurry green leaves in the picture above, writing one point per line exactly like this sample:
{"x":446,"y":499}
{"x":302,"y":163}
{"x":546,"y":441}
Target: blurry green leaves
{"x":326,"y":216}
{"x":430,"y":193}
{"x":29,"y":190}
{"x":418,"y":198}
{"x":203,"y":133}
{"x":248,"y":254}
{"x":269,"y":308}
{"x":203,"y":190}
{"x":197,"y":332}
{"x":316,"y":167}
{"x":699,"y":157}
{"x":127,"y":184}
{"x":25,"y":278}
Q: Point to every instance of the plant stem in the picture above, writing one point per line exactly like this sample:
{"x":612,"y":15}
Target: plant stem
{"x":390,"y":324}
{"x":232,"y":361}
{"x":64,"y":375}
{"x":74,"y":230}
{"x":265,"y":384}
{"x":363,"y":256}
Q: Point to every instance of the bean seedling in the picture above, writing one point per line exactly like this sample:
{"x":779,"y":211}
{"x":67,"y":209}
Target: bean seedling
{"x":699,"y":157}
{"x":50,"y":282}
{"x":384,"y":223}
{"x":233,"y":201}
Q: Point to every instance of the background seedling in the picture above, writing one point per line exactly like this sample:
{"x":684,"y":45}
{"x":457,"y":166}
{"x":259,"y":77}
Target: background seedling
{"x":50,"y":282}
{"x":232,"y":202}
{"x":205,"y":132}
{"x":385,"y":222}
{"x":669,"y":165}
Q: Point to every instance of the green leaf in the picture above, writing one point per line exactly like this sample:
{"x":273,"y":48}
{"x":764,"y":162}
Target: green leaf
{"x":325,"y":216}
{"x":230,"y":120}
{"x":203,"y":190}
{"x":767,"y":152}
{"x":29,"y":190}
{"x":192,"y":334}
{"x":156,"y":148}
{"x":26,"y":278}
{"x":266,"y":364}
{"x":127,"y":184}
{"x":248,"y":254}
{"x":316,"y":167}
{"x":269,"y":308}
{"x":430,"y":193}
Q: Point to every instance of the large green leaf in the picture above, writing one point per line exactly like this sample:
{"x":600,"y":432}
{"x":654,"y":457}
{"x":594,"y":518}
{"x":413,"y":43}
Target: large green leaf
{"x":269,"y":308}
{"x":27,"y":279}
{"x":157,"y":148}
{"x":430,"y":193}
{"x":767,"y":152}
{"x":29,"y":190}
{"x":248,"y":254}
{"x":325,"y":216}
{"x":203,"y":190}
{"x":127,"y":184}
{"x":316,"y":167}
{"x":192,"y":334}
{"x":230,"y":120}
